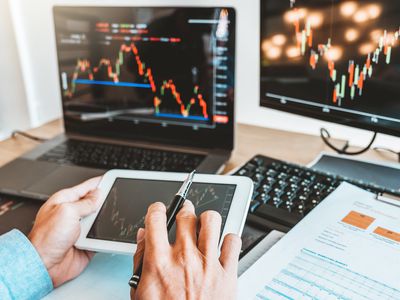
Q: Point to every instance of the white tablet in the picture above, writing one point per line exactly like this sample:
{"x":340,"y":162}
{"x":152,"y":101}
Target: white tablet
{"x":126,"y":195}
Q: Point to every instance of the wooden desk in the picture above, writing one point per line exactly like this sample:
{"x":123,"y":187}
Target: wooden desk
{"x":251,"y":140}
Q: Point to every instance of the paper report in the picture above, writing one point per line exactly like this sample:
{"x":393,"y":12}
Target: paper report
{"x":346,"y":248}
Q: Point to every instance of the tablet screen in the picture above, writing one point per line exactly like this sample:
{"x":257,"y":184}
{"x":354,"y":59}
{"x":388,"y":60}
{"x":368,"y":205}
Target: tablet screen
{"x":123,"y":211}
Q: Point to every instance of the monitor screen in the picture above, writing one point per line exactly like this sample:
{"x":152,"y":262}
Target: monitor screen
{"x":157,"y":73}
{"x":333,"y":60}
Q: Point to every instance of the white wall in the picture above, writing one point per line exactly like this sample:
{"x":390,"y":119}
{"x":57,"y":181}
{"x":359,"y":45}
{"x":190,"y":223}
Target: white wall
{"x":13,"y":108}
{"x":33,"y":21}
{"x":33,"y":28}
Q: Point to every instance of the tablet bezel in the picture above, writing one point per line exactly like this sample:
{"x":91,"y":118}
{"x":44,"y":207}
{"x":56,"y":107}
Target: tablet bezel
{"x":234,"y":222}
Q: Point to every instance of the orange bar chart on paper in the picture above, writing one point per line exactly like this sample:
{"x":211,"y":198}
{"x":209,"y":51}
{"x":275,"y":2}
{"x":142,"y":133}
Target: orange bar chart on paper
{"x":387,"y":234}
{"x":357,"y":219}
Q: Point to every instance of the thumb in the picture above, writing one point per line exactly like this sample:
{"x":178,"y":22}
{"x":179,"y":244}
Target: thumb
{"x":87,"y":205}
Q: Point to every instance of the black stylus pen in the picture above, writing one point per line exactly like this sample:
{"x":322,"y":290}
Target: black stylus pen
{"x":172,"y":211}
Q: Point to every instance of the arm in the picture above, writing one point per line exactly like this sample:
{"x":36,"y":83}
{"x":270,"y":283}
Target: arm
{"x":30,"y":268}
{"x":22,"y":273}
{"x":191,"y":268}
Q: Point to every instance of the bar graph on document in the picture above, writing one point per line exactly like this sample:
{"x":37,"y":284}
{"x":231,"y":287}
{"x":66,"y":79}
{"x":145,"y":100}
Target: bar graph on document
{"x":348,"y":248}
{"x":312,"y":276}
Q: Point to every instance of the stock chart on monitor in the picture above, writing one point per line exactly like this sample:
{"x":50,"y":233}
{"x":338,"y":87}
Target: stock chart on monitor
{"x":333,"y":59}
{"x":167,"y":66}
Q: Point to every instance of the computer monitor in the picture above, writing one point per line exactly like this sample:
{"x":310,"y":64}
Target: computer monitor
{"x":159,"y":73}
{"x":333,"y":60}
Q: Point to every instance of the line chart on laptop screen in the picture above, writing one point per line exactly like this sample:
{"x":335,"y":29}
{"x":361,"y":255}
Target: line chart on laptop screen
{"x":113,"y":74}
{"x":164,"y":67}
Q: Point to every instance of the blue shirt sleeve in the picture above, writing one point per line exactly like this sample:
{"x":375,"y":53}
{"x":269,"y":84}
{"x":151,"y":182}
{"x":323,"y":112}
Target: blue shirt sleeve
{"x":22,"y":272}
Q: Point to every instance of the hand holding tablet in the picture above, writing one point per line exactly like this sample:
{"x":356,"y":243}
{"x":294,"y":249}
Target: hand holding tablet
{"x":126,"y":195}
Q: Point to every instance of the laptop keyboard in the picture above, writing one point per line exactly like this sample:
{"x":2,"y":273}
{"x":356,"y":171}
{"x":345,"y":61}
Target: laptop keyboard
{"x":284,"y":193}
{"x":106,"y":156}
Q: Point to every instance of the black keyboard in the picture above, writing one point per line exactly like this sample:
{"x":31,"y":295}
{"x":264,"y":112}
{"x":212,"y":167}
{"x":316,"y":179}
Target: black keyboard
{"x":107,"y":156}
{"x":284,"y":193}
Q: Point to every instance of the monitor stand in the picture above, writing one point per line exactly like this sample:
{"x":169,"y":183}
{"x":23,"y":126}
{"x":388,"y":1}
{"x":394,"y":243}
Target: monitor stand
{"x":369,"y":172}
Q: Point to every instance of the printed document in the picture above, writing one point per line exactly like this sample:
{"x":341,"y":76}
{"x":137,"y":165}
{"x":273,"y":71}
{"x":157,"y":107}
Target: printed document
{"x":346,"y":248}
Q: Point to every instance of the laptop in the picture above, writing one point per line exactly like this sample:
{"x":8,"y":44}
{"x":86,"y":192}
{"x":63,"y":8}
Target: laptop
{"x":142,"y":88}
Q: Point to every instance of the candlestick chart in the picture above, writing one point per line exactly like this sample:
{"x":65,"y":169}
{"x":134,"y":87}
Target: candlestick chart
{"x":120,"y":220}
{"x":163,"y":74}
{"x":85,"y":73}
{"x":357,"y":73}
{"x":122,"y":68}
{"x":332,"y":60}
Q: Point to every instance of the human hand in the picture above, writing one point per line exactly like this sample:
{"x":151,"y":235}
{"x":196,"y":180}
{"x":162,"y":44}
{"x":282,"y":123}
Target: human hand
{"x":191,"y":268}
{"x":57,"y":228}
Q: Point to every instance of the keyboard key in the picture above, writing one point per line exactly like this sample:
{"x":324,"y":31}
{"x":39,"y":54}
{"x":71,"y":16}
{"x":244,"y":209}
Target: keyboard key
{"x":264,"y":224}
{"x":278,"y":215}
{"x":254,"y":205}
{"x":106,"y":156}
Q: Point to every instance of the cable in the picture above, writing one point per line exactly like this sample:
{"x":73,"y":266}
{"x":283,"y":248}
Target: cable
{"x":388,"y":150}
{"x":28,"y":136}
{"x":326,"y":136}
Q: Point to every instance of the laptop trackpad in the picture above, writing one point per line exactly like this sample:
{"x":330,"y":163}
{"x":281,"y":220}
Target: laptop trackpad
{"x":20,"y":173}
{"x":62,"y":177}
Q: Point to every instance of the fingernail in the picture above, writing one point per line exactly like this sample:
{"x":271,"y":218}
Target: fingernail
{"x":188,"y":202}
{"x":140,"y":235}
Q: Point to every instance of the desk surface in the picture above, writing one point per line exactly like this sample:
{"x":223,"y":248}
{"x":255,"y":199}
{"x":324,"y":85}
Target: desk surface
{"x":293,"y":147}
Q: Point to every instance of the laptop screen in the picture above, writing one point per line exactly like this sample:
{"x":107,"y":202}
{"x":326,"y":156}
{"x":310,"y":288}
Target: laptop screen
{"x":157,"y":73}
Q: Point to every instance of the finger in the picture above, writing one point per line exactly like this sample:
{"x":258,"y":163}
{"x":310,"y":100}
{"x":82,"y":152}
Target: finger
{"x":140,"y":241}
{"x":186,"y":223}
{"x":156,"y":227}
{"x":210,"y":227}
{"x":87,"y":205}
{"x":230,"y":252}
{"x":77,"y":192}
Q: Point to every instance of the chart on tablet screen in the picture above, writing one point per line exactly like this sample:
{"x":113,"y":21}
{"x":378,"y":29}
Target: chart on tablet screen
{"x":126,"y":205}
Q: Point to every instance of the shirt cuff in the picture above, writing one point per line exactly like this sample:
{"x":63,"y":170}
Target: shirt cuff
{"x":21,"y":269}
